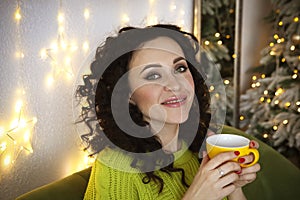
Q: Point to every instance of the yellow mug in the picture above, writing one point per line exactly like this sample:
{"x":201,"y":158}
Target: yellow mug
{"x":219,"y":143}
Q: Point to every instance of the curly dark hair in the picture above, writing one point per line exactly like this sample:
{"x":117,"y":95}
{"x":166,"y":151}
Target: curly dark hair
{"x":110,"y":64}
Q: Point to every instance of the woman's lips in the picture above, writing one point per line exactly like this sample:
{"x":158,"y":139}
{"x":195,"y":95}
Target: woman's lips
{"x":175,"y":101}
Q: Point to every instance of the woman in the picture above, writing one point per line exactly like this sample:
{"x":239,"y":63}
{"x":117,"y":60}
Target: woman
{"x":147,"y":92}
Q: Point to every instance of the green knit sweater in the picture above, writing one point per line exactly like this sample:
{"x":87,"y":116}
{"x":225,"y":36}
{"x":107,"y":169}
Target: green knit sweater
{"x":122,"y":182}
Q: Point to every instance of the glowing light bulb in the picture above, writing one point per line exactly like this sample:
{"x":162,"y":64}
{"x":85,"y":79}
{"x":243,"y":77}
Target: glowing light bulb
{"x":217,"y":35}
{"x":287,"y":104}
{"x":283,"y":60}
{"x":242,"y":117}
{"x":285,"y":121}
{"x":279,"y":91}
{"x":269,"y":100}
{"x":275,"y":128}
{"x":125,"y":18}
{"x":292,"y":48}
{"x":298,"y":103}
{"x":271,"y":44}
{"x":266,"y":92}
{"x":254,"y":78}
{"x":60,"y":18}
{"x":257,"y":84}
{"x":206,"y":42}
{"x":85,"y":46}
{"x":226,"y":82}
{"x":18,"y":106}
{"x":294,"y":76}
{"x":50,"y":80}
{"x":296,"y":19}
{"x":220,"y":42}
{"x":173,"y":7}
{"x":233,"y":55}
{"x":7,"y":160}
{"x":263,"y":76}
{"x":26,"y":136}
{"x":262,"y":99}
{"x":280,"y":23}
{"x":86,"y":13}
{"x":265,"y":135}
{"x":276,"y":102}
{"x":43,"y":54}
{"x":18,"y":14}
{"x":211,"y":88}
{"x":276,"y":36}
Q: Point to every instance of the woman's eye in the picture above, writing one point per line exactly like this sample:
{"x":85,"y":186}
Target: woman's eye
{"x":180,"y":69}
{"x":152,"y":76}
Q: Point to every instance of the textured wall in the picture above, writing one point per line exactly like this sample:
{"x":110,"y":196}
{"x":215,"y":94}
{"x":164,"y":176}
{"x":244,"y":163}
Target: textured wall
{"x":55,"y":141}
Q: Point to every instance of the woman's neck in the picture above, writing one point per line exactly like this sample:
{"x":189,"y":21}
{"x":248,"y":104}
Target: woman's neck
{"x":168,"y":136}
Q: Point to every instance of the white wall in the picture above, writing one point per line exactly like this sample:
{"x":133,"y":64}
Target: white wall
{"x":55,"y":139}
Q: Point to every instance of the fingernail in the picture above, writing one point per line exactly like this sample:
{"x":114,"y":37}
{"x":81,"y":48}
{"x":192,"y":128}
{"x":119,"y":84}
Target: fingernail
{"x":241,"y":160}
{"x":252,"y":144}
{"x":238,"y":172}
{"x":237,"y":153}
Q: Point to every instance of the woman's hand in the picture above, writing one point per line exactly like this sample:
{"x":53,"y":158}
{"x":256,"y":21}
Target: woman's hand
{"x":248,"y":174}
{"x":216,"y":177}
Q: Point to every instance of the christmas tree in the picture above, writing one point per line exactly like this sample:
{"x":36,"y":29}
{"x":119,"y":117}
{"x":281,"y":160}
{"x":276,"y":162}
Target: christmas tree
{"x":271,"y":107}
{"x":217,"y":40}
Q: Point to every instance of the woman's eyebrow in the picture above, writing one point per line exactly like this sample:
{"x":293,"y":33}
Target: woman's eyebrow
{"x":150,"y":66}
{"x":178,"y":59}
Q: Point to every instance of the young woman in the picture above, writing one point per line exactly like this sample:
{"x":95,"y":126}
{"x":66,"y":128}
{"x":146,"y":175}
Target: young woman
{"x":148,"y":95}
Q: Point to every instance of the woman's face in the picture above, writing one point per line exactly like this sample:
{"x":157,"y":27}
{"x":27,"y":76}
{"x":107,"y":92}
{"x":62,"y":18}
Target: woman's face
{"x":161,"y":83}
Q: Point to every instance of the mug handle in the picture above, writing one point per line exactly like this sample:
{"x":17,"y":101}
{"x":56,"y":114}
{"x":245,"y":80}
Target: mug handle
{"x":255,"y":160}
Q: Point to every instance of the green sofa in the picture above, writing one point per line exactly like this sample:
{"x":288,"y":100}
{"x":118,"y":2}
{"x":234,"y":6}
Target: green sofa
{"x":278,"y":179}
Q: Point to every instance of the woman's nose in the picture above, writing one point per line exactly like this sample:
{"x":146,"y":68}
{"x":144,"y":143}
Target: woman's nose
{"x":172,"y":84}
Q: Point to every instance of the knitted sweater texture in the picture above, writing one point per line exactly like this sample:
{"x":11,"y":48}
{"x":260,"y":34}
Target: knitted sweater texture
{"x":112,"y":178}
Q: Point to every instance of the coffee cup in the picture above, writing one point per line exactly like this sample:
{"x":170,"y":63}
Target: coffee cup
{"x":219,"y":143}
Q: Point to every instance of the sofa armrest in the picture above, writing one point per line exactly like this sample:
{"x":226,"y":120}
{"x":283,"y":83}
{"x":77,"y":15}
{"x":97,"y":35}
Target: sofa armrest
{"x":278,"y":178}
{"x":70,"y":188}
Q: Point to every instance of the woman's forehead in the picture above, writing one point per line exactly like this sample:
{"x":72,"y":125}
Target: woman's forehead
{"x":163,"y":44}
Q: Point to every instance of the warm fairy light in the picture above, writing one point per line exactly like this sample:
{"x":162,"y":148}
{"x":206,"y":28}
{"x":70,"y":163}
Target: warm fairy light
{"x":50,"y":80}
{"x":271,"y":44}
{"x":279,"y":91}
{"x":152,"y":19}
{"x":86,"y":13}
{"x":280,"y":23}
{"x":292,"y":48}
{"x":173,"y":7}
{"x":54,"y":47}
{"x":257,"y":84}
{"x":294,"y":76}
{"x":217,"y":35}
{"x":295,"y":71}
{"x":275,"y":128}
{"x":60,"y":18}
{"x":269,"y":100}
{"x":298,"y":109}
{"x":231,"y":11}
{"x":285,"y":122}
{"x":18,"y":106}
{"x":220,"y":42}
{"x":266,"y":92}
{"x":20,"y":54}
{"x":262,"y":99}
{"x":287,"y":104}
{"x":227,"y":36}
{"x":253,"y":85}
{"x":283,"y":60}
{"x":211,"y":88}
{"x":3,"y":146}
{"x":263,"y":76}
{"x":233,"y":55}
{"x":242,"y":117}
{"x":265,"y":135}
{"x":18,"y":14}
{"x":226,"y":82}
{"x":276,"y":102}
{"x":272,"y":53}
{"x":85,"y":46}
{"x":7,"y":160}
{"x":217,"y":95}
{"x":276,"y":37}
{"x":26,"y":136}
{"x":43,"y":54}
{"x":125,"y":18}
{"x":254,"y":78}
{"x":298,"y":103}
{"x":296,"y":19}
{"x":206,"y":42}
{"x":279,"y":41}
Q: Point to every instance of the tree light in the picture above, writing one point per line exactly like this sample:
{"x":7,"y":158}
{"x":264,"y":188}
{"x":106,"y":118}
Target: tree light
{"x":18,"y":14}
{"x":285,"y":121}
{"x":86,"y":13}
{"x":296,"y":19}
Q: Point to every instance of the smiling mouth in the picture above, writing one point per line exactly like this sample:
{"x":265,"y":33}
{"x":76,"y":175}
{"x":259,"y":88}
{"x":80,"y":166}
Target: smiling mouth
{"x":174,"y":101}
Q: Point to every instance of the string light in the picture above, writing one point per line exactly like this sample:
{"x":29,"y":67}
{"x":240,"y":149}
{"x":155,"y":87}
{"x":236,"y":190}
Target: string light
{"x":292,"y":48}
{"x":263,"y":76}
{"x":265,"y":135}
{"x":278,"y":91}
{"x":242,"y":118}
{"x":226,"y":82}
{"x":275,"y":128}
{"x":206,"y":42}
{"x":217,"y":35}
{"x":86,"y":13}
{"x":17,"y":14}
{"x":296,"y":19}
{"x":285,"y":122}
